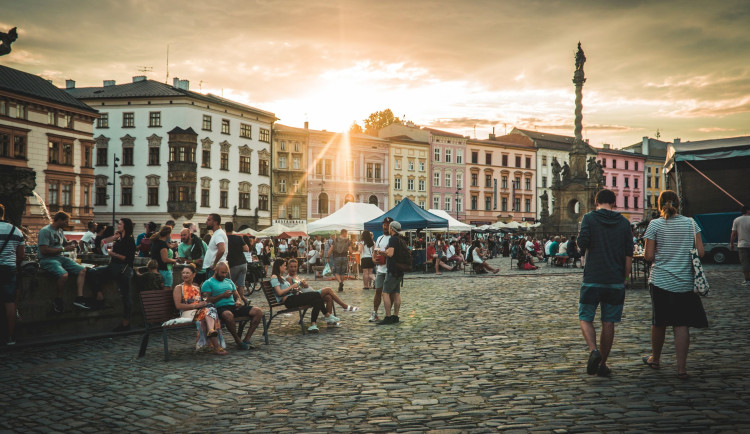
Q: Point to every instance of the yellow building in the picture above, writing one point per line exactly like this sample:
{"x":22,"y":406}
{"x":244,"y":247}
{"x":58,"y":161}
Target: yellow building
{"x":409,"y":161}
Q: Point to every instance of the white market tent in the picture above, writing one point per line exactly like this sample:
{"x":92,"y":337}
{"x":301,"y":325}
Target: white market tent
{"x":453,"y":224}
{"x":249,"y":231}
{"x":352,"y":217}
{"x":274,"y":230}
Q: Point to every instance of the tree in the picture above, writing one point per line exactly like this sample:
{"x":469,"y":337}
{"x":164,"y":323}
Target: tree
{"x":355,"y":129}
{"x":378,"y":120}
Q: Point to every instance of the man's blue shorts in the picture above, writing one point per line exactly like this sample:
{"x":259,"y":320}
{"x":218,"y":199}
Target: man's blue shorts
{"x":611,"y":297}
{"x":59,"y":265}
{"x":167,"y":276}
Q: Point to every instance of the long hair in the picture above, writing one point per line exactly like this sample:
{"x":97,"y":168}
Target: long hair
{"x":127,"y":226}
{"x":165,"y":231}
{"x":668,"y":202}
{"x":276,"y":269}
{"x":367,"y":238}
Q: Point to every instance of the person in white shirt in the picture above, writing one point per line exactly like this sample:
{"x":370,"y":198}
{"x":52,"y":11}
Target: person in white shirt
{"x":530,"y":246}
{"x":381,"y":244}
{"x":88,"y":238}
{"x":453,"y":255}
{"x":563,"y":249}
{"x":741,"y":233}
{"x":217,"y":247}
{"x":476,"y":257}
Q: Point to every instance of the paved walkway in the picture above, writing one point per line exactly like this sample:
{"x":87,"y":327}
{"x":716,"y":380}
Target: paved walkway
{"x":472,"y":354}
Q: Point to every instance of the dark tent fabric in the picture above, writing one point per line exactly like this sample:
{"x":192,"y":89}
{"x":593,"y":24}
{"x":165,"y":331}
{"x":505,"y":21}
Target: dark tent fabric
{"x":410,"y":216}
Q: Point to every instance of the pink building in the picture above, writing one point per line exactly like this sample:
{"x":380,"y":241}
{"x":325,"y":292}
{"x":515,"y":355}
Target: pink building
{"x":623,"y":174}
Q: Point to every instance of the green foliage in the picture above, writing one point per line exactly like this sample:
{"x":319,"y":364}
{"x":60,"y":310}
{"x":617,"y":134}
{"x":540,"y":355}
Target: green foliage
{"x":356,"y":129}
{"x":378,"y":120}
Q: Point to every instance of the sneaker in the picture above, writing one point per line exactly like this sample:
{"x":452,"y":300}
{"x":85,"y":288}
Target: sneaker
{"x":603,"y":371}
{"x":394,"y":318}
{"x":11,"y":342}
{"x":747,"y":282}
{"x":81,"y":303}
{"x":593,"y":365}
{"x":341,"y":287}
{"x":332,"y":319}
{"x":313,"y":328}
{"x":374,"y":316}
{"x":57,"y":305}
{"x":386,"y":321}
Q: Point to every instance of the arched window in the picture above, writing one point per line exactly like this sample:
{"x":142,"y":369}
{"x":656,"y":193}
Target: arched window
{"x":374,"y":199}
{"x":323,"y":203}
{"x":348,"y":198}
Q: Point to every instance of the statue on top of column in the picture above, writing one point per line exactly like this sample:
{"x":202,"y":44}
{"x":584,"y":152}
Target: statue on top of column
{"x":6,"y":39}
{"x":580,"y":58}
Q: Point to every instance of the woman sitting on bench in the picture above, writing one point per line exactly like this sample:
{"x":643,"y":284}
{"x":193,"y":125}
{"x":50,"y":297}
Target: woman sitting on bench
{"x":476,"y":258}
{"x":525,"y":262}
{"x":290,"y":295}
{"x":187,"y":298}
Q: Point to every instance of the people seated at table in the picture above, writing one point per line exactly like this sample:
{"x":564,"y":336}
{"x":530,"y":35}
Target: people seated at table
{"x":475,"y":253}
{"x":222,"y":292}
{"x":292,"y":297}
{"x":329,"y":297}
{"x":435,"y":254}
{"x":453,"y":254}
{"x":573,"y":251}
{"x":187,"y":299}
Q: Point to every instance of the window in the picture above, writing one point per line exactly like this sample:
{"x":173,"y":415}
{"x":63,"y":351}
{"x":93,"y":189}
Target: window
{"x":225,"y":126}
{"x":224,"y":162}
{"x":223,"y":199}
{"x":505,"y":160}
{"x":604,"y":162}
{"x":627,"y":182}
{"x":614,"y":163}
{"x":421,"y":185}
{"x":447,"y":182}
{"x":436,"y":179}
{"x":205,"y":197}
{"x":68,"y":121}
{"x":329,"y":166}
{"x":398,"y":163}
{"x":421,"y":204}
{"x":153,"y":196}
{"x":66,"y":157}
{"x":67,"y":192}
{"x":245,"y":164}
{"x":474,"y":200}
{"x":263,"y":167}
{"x":635,"y":202}
{"x":527,"y":205}
{"x":322,"y":203}
{"x":437,"y":154}
{"x":648,"y":201}
{"x":263,"y":202}
{"x":246,"y":131}
{"x":12,"y":143}
{"x":101,"y":196}
{"x":264,"y":135}
{"x":635,"y":182}
{"x":474,"y":179}
{"x":626,"y":201}
{"x":126,"y":196}
{"x":153,"y":156}
{"x":244,"y":200}
{"x":544,"y":160}
{"x":282,"y":162}
{"x":127,"y":156}
{"x":544,"y":182}
{"x":517,"y":204}
{"x":528,"y":183}
{"x":397,"y":184}
{"x":410,"y":184}
{"x":154,"y":119}
{"x":474,"y":157}
{"x":20,"y":111}
{"x":626,"y":164}
{"x":87,"y":156}
{"x":349,"y":168}
{"x":377,"y":171}
{"x":504,"y":204}
{"x":421,"y":166}
{"x":181,"y":194}
{"x":52,"y":117}
{"x":447,"y":204}
{"x":182,"y":153}
{"x":436,"y":202}
{"x":53,"y":152}
{"x":411,"y":165}
{"x":282,"y":185}
{"x":518,"y":161}
{"x":296,"y":146}
{"x":103,"y":121}
{"x":448,"y":155}
{"x":504,"y":183}
{"x":488,"y":203}
{"x":656,"y":179}
{"x":614,"y":181}
{"x":517,"y":183}
{"x":128,"y":120}
{"x":295,"y":185}
{"x":297,"y":163}
{"x":459,"y":156}
{"x":488,"y":180}
{"x":459,"y":180}
{"x":282,"y":211}
{"x":86,"y":197}
{"x":206,"y":158}
{"x":206,"y":123}
{"x":488,"y":158}
{"x":636,"y":166}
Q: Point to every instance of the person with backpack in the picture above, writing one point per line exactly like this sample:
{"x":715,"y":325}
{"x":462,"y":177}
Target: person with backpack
{"x":191,"y":251}
{"x":340,"y":252}
{"x":398,"y":260}
{"x":143,"y":241}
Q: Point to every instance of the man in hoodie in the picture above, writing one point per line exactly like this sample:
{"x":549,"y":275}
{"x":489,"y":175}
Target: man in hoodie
{"x":607,"y":241}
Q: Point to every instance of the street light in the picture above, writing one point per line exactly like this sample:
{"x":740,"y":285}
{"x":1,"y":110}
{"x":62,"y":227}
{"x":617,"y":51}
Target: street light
{"x":115,"y":172}
{"x":458,"y":195}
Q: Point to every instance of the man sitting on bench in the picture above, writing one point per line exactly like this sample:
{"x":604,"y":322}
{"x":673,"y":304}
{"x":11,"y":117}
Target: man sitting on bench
{"x":476,"y":258}
{"x":329,"y":297}
{"x":222,"y":293}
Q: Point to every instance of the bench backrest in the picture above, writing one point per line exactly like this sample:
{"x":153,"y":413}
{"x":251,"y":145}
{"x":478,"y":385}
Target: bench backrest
{"x":158,"y":306}
{"x":269,"y":293}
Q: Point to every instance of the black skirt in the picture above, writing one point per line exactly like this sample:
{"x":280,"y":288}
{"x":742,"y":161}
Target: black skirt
{"x":366,"y":263}
{"x":677,"y":309}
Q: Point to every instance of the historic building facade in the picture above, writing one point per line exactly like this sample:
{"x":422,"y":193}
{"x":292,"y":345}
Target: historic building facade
{"x":177,"y":154}
{"x":623,"y":174}
{"x":290,"y":167}
{"x":656,"y":153}
{"x":500,"y":181}
{"x":345,"y":168}
{"x":409,"y":175}
{"x":44,"y":129}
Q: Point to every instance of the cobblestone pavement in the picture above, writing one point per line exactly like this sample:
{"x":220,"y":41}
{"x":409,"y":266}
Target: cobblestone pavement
{"x":472,"y":354}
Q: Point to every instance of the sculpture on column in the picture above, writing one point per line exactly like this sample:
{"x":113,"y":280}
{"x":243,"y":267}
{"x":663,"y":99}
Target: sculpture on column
{"x":544,"y":213}
{"x":6,"y":39}
{"x":556,"y":169}
{"x":565,"y":172}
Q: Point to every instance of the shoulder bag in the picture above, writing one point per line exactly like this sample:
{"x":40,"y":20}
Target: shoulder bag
{"x":700,"y":283}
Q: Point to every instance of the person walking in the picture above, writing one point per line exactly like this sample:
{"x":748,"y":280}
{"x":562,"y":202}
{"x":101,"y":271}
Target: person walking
{"x":607,"y":241}
{"x":741,"y":233}
{"x":668,"y":243}
{"x":339,"y":250}
{"x":379,"y":258}
{"x":393,"y":277}
{"x":365,"y":251}
{"x":12,"y":251}
{"x":236,"y":259}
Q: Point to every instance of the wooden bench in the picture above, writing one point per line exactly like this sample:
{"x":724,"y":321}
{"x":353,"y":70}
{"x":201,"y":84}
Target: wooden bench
{"x":280,"y":308}
{"x":158,"y":307}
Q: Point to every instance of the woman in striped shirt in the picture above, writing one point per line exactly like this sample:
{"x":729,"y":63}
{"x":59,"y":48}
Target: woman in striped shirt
{"x":668,"y":243}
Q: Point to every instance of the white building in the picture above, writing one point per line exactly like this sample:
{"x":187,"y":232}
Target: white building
{"x":182,"y":154}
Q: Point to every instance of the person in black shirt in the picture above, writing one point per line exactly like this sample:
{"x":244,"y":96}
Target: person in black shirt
{"x":236,"y":258}
{"x":120,"y":269}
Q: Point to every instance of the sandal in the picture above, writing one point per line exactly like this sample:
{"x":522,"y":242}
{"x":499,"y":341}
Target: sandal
{"x":651,"y":364}
{"x":221,"y":352}
{"x":213,"y":333}
{"x":351,"y":308}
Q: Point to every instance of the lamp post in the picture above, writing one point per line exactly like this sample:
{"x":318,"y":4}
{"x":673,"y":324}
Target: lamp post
{"x":458,"y":195}
{"x":115,"y":172}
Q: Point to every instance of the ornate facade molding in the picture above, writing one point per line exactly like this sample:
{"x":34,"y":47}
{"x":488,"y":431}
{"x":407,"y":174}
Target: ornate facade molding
{"x":126,"y":180}
{"x":245,"y":151}
{"x":154,"y":141}
{"x":100,"y":180}
{"x":153,"y":180}
{"x":128,"y":141}
{"x":101,"y":141}
{"x":263,"y":154}
{"x":205,"y":182}
{"x":225,"y":146}
{"x":206,"y":144}
{"x":264,"y":189}
{"x":245,"y":187}
{"x":224,"y":184}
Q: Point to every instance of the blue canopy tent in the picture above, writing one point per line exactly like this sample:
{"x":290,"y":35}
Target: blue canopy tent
{"x":410,"y":216}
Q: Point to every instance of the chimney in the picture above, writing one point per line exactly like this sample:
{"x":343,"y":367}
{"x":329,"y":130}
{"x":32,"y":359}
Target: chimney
{"x":109,"y":83}
{"x":605,"y":146}
{"x":492,"y":135}
{"x":184,"y":84}
{"x":70,"y":84}
{"x":644,"y":146}
{"x":307,"y":125}
{"x":138,"y":78}
{"x":176,"y":82}
{"x":677,"y":140}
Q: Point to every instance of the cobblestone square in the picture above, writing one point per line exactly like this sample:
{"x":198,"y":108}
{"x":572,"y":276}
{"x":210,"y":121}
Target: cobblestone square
{"x":471,"y":354}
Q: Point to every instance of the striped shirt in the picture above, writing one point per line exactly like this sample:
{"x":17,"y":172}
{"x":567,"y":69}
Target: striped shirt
{"x":8,"y":255}
{"x":672,"y":269}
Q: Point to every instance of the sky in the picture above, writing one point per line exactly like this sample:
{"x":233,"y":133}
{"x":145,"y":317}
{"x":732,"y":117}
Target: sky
{"x":681,"y":68}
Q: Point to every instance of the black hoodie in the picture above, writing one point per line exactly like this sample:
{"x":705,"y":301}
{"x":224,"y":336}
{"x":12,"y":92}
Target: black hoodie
{"x":606,"y":239}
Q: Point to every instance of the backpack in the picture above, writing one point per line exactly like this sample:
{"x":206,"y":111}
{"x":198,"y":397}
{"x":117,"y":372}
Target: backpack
{"x":402,"y":259}
{"x":341,"y":247}
{"x":145,"y":246}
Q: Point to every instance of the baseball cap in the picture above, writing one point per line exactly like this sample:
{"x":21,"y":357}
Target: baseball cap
{"x":396,"y":226}
{"x":388,"y":219}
